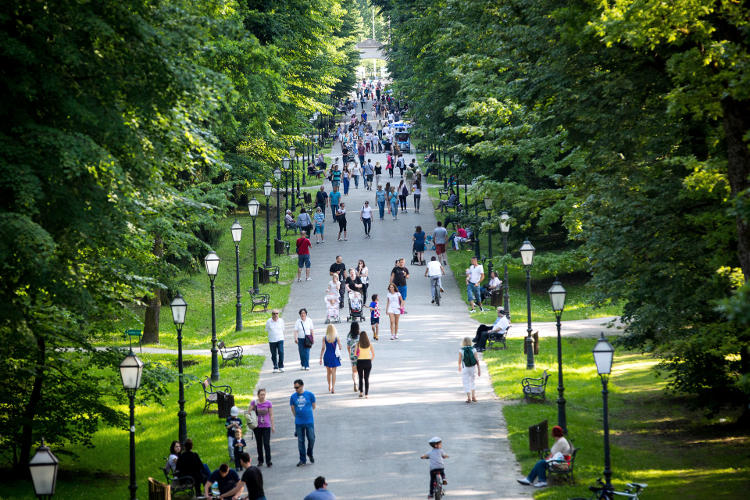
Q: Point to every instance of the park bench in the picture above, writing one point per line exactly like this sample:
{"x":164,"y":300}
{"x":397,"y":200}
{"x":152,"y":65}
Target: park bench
{"x":232,"y":353}
{"x":562,"y":471}
{"x":535,"y":387}
{"x":158,"y":490}
{"x":177,"y":483}
{"x":268,"y":273}
{"x":259,"y":299}
{"x":497,"y":340}
{"x":290,"y":226}
{"x":133,"y":334}
{"x":211,"y":393}
{"x":444,"y":192}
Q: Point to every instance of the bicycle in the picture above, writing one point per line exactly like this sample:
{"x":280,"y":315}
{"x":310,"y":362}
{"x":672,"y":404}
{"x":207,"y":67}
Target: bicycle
{"x":437,"y":484}
{"x":599,"y":492}
{"x":435,"y":283}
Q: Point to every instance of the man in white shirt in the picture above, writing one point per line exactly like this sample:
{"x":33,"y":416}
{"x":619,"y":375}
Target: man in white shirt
{"x":500,"y":326}
{"x":275,"y":330}
{"x":434,"y":271}
{"x":474,"y":277}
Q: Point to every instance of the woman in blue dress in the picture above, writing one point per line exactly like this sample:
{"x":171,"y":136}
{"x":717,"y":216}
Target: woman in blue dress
{"x":330,"y":355}
{"x":418,"y":247}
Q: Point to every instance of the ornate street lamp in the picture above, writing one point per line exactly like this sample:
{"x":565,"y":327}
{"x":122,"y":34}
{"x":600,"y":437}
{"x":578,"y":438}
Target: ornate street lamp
{"x":293,"y":165}
{"x":131,"y":369}
{"x":212,"y":267}
{"x":285,"y":162}
{"x":277,"y":176}
{"x":527,"y":257}
{"x":267,"y":188}
{"x":179,"y":308}
{"x":488,"y":206}
{"x":252,"y":207}
{"x":505,"y":229}
{"x":236,"y":237}
{"x":43,"y":468}
{"x":557,"y":298}
{"x":603,"y":356}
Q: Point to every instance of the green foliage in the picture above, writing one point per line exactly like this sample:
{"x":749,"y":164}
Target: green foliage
{"x":616,"y":135}
{"x":128,"y":129}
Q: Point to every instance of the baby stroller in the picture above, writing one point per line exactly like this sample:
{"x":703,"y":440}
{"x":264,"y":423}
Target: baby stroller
{"x":414,"y":260}
{"x":332,"y":308}
{"x":355,"y":306}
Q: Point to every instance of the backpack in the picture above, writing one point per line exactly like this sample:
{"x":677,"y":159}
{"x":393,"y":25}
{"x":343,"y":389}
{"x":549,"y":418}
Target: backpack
{"x":469,"y":358}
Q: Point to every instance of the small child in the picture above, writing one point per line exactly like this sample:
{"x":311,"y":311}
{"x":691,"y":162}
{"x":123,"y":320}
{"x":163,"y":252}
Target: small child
{"x":232,"y":424}
{"x":436,"y":456}
{"x":239,"y":447}
{"x":374,"y":308}
{"x":332,"y":306}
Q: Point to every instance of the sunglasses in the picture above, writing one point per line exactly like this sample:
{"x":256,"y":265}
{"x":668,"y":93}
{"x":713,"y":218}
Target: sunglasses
{"x":297,"y":386}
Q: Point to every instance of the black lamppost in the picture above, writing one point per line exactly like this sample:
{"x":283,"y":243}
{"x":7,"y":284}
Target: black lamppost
{"x":43,"y":468}
{"x":304,"y":163}
{"x":277,"y":176}
{"x":488,"y":206}
{"x":505,"y":229}
{"x":131,"y":369}
{"x":179,"y":308}
{"x":557,"y":298}
{"x":267,"y":187}
{"x":295,"y":159}
{"x":212,"y":267}
{"x":236,"y":237}
{"x":527,"y":257}
{"x":285,"y":167}
{"x":603,"y":354}
{"x":252,"y":207}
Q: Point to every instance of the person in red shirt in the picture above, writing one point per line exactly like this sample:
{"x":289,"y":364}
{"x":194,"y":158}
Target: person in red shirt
{"x":303,"y":256}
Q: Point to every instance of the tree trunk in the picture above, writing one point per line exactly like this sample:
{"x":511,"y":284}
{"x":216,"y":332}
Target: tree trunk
{"x":736,"y":124}
{"x":153,"y":309}
{"x":30,"y":413}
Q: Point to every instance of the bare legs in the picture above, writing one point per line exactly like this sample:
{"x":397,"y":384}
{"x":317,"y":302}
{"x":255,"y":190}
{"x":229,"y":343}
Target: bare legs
{"x":394,"y":325}
{"x":331,"y":378}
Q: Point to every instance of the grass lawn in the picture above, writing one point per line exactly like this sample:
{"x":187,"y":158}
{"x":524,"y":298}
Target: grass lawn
{"x":195,"y":288}
{"x":655,"y":437}
{"x":577,"y":303}
{"x":101,"y":471}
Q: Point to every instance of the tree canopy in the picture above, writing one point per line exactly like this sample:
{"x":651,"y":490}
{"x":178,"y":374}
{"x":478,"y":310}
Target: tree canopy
{"x":127,"y":129}
{"x":616,"y":133}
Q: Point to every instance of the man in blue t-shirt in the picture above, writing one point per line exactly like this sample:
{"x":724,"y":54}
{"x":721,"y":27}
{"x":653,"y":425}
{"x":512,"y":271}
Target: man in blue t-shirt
{"x":302,"y":403}
{"x":334,"y":198}
{"x":225,"y":477}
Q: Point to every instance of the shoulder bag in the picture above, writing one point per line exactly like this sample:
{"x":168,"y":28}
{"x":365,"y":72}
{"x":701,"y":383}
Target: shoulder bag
{"x":309,"y":340}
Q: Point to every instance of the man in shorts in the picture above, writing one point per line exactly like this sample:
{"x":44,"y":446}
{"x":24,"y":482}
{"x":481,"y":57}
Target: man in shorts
{"x":303,"y":256}
{"x":399,"y":275}
{"x":440,"y":237}
{"x":474,"y":278}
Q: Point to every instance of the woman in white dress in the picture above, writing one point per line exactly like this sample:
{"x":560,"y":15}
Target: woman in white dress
{"x":393,"y":308}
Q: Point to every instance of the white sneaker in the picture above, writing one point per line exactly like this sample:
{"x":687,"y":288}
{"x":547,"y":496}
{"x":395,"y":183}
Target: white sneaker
{"x":473,"y":311}
{"x":281,"y":370}
{"x":276,"y":370}
{"x":523,"y":480}
{"x":308,"y":279}
{"x":541,"y":484}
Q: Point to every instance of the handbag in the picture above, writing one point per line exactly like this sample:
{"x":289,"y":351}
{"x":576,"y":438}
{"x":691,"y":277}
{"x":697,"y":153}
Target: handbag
{"x":338,"y":351}
{"x":309,"y":340}
{"x":252,"y":417}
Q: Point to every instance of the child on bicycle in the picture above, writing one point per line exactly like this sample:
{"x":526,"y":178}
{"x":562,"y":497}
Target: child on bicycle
{"x":435,"y":456}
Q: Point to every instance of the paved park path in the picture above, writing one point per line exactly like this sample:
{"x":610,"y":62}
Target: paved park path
{"x":370,"y":448}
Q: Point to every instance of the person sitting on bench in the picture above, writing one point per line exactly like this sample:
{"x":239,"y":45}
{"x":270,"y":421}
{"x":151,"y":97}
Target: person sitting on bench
{"x":500,"y":326}
{"x":312,"y":171}
{"x":452,"y":202}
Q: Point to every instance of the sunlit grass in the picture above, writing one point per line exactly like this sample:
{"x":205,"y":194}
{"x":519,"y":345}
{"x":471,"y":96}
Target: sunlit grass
{"x":101,"y":471}
{"x":656,"y":439}
{"x":195,"y":288}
